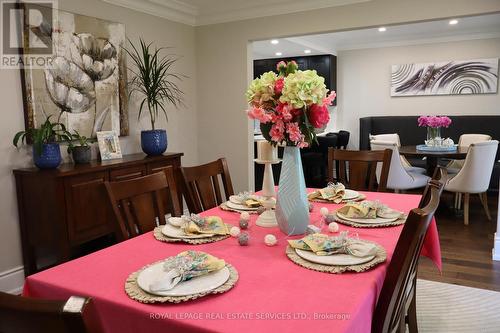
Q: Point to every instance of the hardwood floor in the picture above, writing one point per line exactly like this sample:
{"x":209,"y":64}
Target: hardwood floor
{"x":466,"y":250}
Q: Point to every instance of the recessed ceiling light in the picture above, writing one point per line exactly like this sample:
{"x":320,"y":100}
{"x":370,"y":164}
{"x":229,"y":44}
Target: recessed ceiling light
{"x":307,"y":51}
{"x":275,"y":41}
{"x":278,"y":53}
{"x":382,"y":29}
{"x":453,"y":22}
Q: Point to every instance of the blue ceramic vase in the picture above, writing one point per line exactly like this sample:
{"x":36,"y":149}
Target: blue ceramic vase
{"x":49,"y":157}
{"x":292,"y":207}
{"x":154,"y":142}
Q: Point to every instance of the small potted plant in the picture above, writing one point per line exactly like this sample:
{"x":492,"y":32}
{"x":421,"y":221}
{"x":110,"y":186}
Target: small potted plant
{"x":79,"y":147}
{"x":156,"y":83}
{"x":46,"y":149}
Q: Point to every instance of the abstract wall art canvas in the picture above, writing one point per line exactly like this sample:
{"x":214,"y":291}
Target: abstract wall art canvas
{"x":84,"y":84}
{"x":479,"y":76}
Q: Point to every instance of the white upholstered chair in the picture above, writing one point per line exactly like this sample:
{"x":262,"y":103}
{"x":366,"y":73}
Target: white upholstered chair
{"x":394,"y":138}
{"x":399,"y":178}
{"x":475,"y":175}
{"x":465,"y":140}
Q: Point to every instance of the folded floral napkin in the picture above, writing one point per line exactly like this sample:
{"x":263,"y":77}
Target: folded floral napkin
{"x":368,"y":210}
{"x":333,"y":192}
{"x":185,"y":266}
{"x":195,"y":224}
{"x":249,"y":199}
{"x":323,"y":245}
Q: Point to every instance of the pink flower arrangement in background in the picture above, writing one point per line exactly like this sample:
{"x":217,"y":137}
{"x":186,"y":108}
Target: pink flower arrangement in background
{"x":290,"y":105}
{"x":434,"y":121}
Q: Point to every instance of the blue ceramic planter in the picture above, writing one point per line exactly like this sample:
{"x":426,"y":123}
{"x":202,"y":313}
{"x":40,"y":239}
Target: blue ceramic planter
{"x":50,"y":157}
{"x":154,"y":142}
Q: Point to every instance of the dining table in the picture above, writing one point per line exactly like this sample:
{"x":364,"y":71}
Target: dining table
{"x":272,"y":294}
{"x":432,"y":156}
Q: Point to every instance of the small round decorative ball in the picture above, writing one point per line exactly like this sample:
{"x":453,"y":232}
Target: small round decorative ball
{"x":323,"y":211}
{"x":234,"y":231}
{"x":270,"y":240}
{"x":243,"y":239}
{"x":311,"y":207}
{"x":333,"y":227}
{"x":329,"y":218}
{"x":245,"y":216}
{"x":260,"y":210}
{"x":243,"y":224}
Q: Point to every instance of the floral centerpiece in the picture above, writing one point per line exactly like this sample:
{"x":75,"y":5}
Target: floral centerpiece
{"x":290,"y":107}
{"x":434,"y":124}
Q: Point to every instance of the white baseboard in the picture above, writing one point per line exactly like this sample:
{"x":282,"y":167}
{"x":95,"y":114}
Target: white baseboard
{"x":12,"y":280}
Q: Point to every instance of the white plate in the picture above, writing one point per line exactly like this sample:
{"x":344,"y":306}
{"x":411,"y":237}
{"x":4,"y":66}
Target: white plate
{"x":334,"y":259}
{"x":174,"y":232}
{"x":194,"y":286}
{"x":350,"y":194}
{"x":378,"y":220}
{"x":234,"y":206}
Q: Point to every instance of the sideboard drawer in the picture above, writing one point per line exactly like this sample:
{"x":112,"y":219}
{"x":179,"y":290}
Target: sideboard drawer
{"x":127,"y":173}
{"x":88,"y":211}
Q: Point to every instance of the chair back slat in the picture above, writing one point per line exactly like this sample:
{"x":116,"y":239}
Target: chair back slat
{"x":26,"y":315}
{"x":138,"y":203}
{"x":357,"y":169}
{"x":400,"y":281}
{"x":203,"y":185}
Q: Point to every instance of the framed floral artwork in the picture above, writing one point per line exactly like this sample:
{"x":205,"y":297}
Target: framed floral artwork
{"x":83,"y":85}
{"x":109,"y":145}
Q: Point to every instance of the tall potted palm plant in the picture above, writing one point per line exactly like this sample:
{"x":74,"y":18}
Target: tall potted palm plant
{"x":155,"y":82}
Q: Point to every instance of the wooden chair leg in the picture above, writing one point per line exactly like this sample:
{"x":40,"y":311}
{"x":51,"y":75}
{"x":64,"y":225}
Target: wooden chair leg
{"x":466,"y":208}
{"x":412,"y":316}
{"x":484,"y":201}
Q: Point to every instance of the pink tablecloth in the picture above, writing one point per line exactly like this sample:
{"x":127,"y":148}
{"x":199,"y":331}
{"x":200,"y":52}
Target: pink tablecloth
{"x":272,"y":295}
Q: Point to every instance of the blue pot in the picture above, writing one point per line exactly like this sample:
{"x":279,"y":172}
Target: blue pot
{"x":49,"y":158}
{"x":154,"y":142}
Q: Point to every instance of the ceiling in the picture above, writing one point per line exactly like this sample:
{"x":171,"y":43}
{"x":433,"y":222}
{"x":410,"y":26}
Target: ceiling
{"x":477,"y":27}
{"x":203,"y":12}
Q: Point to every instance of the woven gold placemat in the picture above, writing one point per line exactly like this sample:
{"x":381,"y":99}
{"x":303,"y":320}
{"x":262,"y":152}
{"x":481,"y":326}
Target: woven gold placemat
{"x":136,"y":293}
{"x":360,"y":198}
{"x":195,"y":241}
{"x":380,"y":257}
{"x":368,"y":225}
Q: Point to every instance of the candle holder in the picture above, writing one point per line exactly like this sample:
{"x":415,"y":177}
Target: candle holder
{"x":268,"y":218}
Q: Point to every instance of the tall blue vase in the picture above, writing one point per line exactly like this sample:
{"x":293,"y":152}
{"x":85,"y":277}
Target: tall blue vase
{"x":292,"y":207}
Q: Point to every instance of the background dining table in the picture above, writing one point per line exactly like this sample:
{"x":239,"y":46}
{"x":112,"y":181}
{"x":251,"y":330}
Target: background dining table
{"x":273,"y":294}
{"x":432,"y":157}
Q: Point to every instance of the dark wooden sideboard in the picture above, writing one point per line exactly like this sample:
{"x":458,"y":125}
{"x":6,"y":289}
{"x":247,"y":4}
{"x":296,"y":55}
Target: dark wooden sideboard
{"x":64,"y":208}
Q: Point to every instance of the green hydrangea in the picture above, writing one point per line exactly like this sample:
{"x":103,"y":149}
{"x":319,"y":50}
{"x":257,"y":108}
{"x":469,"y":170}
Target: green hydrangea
{"x":261,"y":89}
{"x":303,"y":88}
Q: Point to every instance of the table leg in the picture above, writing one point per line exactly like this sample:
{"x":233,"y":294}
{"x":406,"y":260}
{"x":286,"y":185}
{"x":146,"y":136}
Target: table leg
{"x":432,"y":163}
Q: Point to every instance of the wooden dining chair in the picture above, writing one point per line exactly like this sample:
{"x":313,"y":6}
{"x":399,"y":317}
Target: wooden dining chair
{"x":138,"y":203}
{"x":356,"y":169}
{"x":396,"y":305}
{"x":202,"y":185}
{"x":27,"y":315}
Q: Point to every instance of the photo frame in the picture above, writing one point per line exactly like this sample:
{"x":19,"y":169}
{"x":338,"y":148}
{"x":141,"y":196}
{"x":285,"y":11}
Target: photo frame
{"x":109,"y":145}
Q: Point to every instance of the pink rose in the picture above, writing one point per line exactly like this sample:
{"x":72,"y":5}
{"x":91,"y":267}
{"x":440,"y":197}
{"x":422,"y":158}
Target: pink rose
{"x":259,"y":114}
{"x":294,"y":132}
{"x":318,"y":115}
{"x":278,"y":85}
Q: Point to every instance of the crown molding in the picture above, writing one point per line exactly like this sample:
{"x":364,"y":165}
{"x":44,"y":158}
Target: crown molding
{"x":179,"y":11}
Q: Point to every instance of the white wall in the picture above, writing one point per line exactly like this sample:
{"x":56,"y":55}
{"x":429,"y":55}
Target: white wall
{"x":364,"y":83}
{"x":181,"y":127}
{"x":223,"y":59}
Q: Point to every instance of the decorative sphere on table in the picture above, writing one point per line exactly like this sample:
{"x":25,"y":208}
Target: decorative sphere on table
{"x":234,"y":231}
{"x":270,"y":240}
{"x":333,"y":227}
{"x":245,"y":216}
{"x":261,"y":210}
{"x":323,"y":211}
{"x":311,"y":207}
{"x":329,"y":218}
{"x":244,"y":224}
{"x":243,"y":239}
